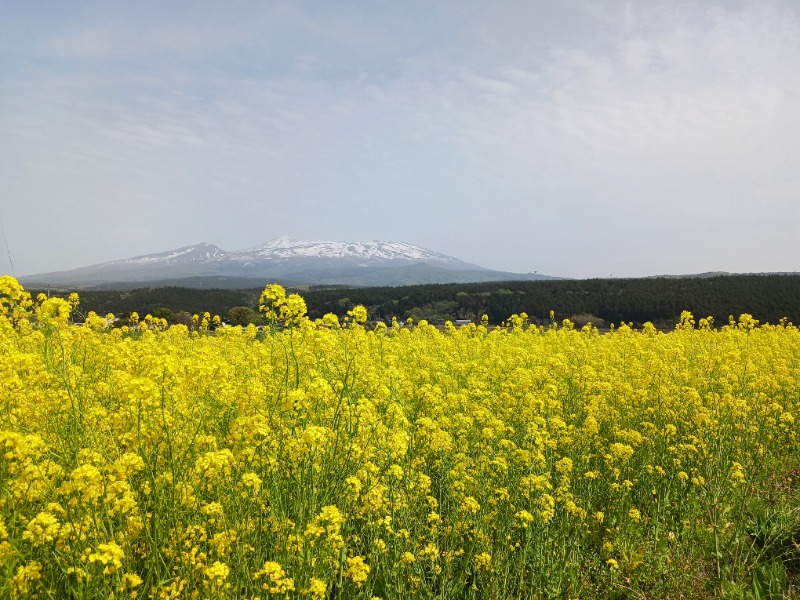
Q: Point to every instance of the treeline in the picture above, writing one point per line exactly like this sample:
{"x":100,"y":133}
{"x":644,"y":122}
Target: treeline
{"x":154,"y":300}
{"x":768,"y":298}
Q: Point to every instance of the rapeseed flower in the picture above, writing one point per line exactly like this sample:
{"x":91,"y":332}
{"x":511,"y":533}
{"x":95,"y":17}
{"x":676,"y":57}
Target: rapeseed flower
{"x":108,"y":554}
{"x":483,"y":561}
{"x":172,"y":463}
{"x":275,"y":580}
{"x":41,"y":529}
{"x":357,"y":570}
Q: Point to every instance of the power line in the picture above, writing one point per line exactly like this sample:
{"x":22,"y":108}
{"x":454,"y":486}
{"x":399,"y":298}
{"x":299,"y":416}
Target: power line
{"x":8,"y":249}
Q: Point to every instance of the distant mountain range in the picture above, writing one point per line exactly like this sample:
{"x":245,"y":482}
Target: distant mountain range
{"x":282,"y":260}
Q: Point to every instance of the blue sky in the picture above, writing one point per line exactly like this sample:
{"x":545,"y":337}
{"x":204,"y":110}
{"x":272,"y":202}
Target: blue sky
{"x":578,"y":139}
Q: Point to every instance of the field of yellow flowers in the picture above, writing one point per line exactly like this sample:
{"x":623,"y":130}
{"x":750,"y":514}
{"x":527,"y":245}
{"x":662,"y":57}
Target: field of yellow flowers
{"x":330,"y":460}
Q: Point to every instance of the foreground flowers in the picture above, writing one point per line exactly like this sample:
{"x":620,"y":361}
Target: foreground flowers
{"x":325,"y":460}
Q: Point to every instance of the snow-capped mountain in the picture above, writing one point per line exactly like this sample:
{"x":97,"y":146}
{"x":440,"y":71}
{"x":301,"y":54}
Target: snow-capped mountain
{"x":198,"y":253}
{"x":284,"y":260}
{"x":284,"y":247}
{"x":287,"y":248}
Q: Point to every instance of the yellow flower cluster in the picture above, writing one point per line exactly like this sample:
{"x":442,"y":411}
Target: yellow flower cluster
{"x":321,"y":459}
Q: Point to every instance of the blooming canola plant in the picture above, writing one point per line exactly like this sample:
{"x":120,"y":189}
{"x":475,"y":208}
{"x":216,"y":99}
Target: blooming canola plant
{"x":324,"y":459}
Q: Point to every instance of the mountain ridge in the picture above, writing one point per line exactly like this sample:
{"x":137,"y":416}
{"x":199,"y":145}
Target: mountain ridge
{"x":285,"y":259}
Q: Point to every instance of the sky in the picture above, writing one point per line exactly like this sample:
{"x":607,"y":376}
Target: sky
{"x":572,"y":138}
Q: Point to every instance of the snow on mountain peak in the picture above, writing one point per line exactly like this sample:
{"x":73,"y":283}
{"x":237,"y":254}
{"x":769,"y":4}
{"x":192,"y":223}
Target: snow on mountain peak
{"x":197,"y":253}
{"x":286,"y":247}
{"x":281,"y":242}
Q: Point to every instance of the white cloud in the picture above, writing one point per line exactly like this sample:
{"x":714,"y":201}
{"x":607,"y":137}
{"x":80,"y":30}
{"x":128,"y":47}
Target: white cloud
{"x":537,"y":128}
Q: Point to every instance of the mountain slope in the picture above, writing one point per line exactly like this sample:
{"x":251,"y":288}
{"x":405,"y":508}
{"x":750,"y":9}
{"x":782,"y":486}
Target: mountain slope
{"x":282,"y":260}
{"x":284,"y":247}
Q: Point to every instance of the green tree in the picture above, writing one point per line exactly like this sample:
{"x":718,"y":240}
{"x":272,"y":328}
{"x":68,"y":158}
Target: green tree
{"x":243,"y":315}
{"x":163,"y":313}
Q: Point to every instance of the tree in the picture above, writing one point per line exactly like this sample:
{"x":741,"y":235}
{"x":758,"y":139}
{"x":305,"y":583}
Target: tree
{"x":163,"y":313}
{"x":243,"y":315}
{"x":183,"y":318}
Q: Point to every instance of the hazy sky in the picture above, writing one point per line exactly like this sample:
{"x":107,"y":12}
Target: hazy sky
{"x":573,"y":138}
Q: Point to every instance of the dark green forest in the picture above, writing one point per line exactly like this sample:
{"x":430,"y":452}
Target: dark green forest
{"x":768,"y":298}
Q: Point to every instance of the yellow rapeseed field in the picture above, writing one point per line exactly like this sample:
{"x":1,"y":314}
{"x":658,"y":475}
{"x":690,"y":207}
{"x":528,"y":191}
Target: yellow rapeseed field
{"x":330,"y":460}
